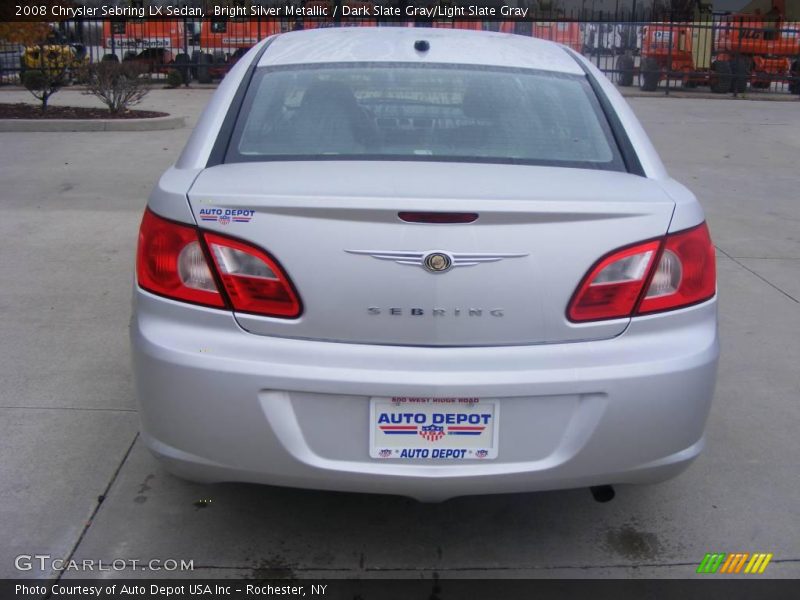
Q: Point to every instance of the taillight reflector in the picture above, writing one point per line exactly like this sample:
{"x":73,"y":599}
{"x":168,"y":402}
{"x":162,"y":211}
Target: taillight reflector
{"x":254,"y":281}
{"x":686,"y":272}
{"x":612,"y":288}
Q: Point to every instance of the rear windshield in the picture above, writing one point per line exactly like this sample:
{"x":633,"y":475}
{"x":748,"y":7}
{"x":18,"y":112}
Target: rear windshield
{"x":422,"y":112}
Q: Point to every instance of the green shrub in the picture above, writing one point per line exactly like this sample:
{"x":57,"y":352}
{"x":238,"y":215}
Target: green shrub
{"x":33,"y":80}
{"x":42,"y":84}
{"x":174,"y":79}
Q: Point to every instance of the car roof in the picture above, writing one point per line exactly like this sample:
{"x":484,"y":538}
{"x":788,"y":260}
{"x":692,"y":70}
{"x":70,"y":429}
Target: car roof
{"x":396,"y":44}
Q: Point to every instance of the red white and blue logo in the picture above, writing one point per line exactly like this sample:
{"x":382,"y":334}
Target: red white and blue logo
{"x":432,"y":433}
{"x":226,"y":216}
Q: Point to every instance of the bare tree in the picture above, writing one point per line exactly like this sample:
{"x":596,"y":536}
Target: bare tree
{"x":118,"y":85}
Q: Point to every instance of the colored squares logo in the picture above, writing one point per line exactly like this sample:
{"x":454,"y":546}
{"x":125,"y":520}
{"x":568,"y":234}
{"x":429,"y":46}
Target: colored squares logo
{"x":737,"y":562}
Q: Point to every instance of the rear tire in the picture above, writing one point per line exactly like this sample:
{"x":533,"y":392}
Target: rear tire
{"x":195,"y":62}
{"x":203,"y":72}
{"x":741,"y":73}
{"x":182,"y":66}
{"x":650,"y":75}
{"x":110,"y":58}
{"x":761,"y":81}
{"x":625,"y":70}
{"x":721,"y":79}
{"x":794,"y":86}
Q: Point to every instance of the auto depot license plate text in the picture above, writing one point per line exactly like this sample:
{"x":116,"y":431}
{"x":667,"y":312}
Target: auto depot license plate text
{"x":433,"y":428}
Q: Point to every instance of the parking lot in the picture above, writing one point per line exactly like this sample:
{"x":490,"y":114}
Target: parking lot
{"x":75,"y":482}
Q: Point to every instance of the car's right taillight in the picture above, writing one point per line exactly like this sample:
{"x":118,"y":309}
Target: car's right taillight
{"x":657,"y":275}
{"x":180,"y":262}
{"x":686,"y":272}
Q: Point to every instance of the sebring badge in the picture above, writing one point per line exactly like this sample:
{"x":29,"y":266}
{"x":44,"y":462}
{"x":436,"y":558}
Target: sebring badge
{"x":436,"y":261}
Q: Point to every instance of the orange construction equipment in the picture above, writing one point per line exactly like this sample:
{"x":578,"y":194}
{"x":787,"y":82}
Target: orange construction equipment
{"x":760,"y":48}
{"x":457,"y":24}
{"x":667,"y":52}
{"x":230,"y":35}
{"x":149,"y":42}
{"x":139,"y":34}
{"x":225,"y":41}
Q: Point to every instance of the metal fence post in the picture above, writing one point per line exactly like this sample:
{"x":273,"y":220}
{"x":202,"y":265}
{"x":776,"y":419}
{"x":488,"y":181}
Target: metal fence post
{"x":669,"y":50}
{"x":598,"y":45}
{"x":736,"y":62}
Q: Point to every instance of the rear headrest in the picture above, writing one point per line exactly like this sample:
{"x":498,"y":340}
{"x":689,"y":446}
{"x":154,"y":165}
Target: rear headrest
{"x":328,"y":93}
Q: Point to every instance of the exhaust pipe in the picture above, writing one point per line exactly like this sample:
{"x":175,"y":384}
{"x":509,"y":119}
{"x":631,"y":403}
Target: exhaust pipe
{"x":602,"y":493}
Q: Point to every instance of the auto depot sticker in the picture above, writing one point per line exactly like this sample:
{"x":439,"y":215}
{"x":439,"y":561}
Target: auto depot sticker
{"x":226,"y":216}
{"x":433,"y":428}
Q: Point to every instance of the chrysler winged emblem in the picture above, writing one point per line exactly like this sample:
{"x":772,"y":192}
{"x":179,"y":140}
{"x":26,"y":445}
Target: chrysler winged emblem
{"x":437,"y":261}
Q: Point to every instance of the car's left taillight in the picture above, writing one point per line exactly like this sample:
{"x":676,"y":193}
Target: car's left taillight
{"x":171,"y":262}
{"x":182,"y":263}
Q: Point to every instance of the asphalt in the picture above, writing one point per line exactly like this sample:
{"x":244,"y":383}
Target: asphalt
{"x":75,"y":481}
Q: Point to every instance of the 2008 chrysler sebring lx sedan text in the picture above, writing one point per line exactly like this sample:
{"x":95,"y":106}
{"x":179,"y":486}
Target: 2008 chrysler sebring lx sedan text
{"x":422,"y":262}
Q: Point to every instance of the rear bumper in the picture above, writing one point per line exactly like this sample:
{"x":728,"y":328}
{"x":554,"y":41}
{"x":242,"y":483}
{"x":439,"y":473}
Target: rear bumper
{"x":221,"y":404}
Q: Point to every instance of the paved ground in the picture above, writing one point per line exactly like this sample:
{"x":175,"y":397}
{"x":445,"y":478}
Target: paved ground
{"x":70,"y":210}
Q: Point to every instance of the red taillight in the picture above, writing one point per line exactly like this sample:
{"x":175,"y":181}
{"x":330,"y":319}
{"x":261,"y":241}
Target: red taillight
{"x":171,"y":261}
{"x":612,"y":288}
{"x":675,"y":271}
{"x":254,"y":281}
{"x":686,"y":272}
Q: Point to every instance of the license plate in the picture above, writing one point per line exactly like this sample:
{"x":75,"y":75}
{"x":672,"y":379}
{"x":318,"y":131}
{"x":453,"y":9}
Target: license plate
{"x":437,"y":429}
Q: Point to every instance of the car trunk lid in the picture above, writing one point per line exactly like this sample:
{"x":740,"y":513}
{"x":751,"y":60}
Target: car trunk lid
{"x":358,"y":268}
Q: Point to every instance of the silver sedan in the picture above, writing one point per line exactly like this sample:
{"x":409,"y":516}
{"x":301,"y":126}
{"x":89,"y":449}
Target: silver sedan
{"x":422,"y":262}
